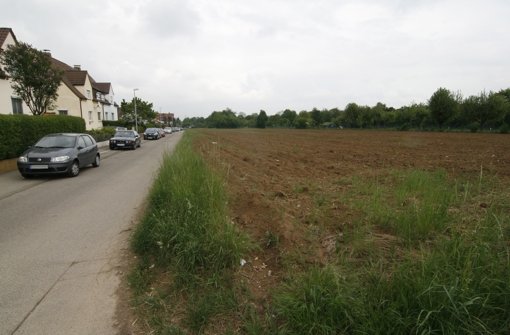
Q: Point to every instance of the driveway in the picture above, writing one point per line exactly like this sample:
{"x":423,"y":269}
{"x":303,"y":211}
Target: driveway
{"x":62,"y":242}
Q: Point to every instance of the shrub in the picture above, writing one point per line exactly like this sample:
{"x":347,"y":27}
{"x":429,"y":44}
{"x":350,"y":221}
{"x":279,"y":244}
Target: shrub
{"x":102,"y":134}
{"x":17,"y":132}
{"x":474,"y":127}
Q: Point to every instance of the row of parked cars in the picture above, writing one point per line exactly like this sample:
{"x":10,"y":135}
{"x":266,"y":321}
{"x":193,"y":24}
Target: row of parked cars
{"x":157,"y":133}
{"x":67,"y":153}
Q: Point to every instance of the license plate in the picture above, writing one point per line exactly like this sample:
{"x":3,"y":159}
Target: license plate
{"x":120,"y":144}
{"x":38,"y":167}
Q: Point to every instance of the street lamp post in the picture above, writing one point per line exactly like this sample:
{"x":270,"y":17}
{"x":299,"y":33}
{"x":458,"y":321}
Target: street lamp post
{"x":136,"y":116}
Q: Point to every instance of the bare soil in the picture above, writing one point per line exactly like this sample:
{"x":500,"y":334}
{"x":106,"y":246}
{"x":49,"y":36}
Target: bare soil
{"x":284,"y":185}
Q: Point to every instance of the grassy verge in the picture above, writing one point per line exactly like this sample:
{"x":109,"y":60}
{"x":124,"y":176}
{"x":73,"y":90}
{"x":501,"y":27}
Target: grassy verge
{"x":186,"y":246}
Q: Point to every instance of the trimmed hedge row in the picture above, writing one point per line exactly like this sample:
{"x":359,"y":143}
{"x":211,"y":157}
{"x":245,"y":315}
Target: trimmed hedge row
{"x":102,"y":134}
{"x":17,"y":132}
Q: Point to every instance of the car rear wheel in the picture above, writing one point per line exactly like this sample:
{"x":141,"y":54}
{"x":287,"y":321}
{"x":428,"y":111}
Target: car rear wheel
{"x":97,"y":161}
{"x":74,"y":170}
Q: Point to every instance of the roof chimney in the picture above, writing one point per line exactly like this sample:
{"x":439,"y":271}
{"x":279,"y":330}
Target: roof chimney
{"x":47,"y":51}
{"x":77,"y":67}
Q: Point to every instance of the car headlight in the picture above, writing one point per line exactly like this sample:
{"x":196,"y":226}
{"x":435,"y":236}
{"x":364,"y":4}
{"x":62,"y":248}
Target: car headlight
{"x":23,"y":159}
{"x":59,"y":159}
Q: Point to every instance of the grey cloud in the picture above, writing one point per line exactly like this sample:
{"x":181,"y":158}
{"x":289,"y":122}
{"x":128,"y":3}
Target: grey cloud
{"x":169,"y":18}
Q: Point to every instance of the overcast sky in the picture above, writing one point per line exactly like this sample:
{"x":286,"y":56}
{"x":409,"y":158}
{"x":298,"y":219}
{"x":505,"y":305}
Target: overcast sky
{"x":194,"y":57}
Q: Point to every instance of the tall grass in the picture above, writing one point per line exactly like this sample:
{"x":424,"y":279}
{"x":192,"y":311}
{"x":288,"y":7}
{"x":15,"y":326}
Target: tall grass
{"x":186,"y":231}
{"x":413,"y":205}
{"x":186,"y":222}
{"x":458,"y":282}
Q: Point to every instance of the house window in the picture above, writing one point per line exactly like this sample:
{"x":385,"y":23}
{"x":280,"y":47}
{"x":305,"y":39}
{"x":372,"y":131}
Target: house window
{"x":113,"y":117}
{"x":90,"y":115}
{"x":17,"y":106}
{"x":88,"y":94}
{"x":99,"y":115}
{"x":62,"y":112}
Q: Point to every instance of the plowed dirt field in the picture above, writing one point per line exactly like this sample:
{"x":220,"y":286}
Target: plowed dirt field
{"x":285,"y":185}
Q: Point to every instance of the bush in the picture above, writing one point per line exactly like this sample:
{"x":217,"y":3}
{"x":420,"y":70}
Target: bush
{"x":103,"y":134}
{"x":17,"y":132}
{"x":117,"y":124}
{"x":504,"y":129}
{"x":474,"y":127}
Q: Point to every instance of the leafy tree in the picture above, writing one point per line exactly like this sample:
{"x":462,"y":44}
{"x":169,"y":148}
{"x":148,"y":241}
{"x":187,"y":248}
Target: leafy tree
{"x":144,"y":111}
{"x":352,"y":115}
{"x":366,"y":117}
{"x":442,"y":105}
{"x":470,"y":108}
{"x":414,"y":116}
{"x":33,"y":77}
{"x":194,"y":122}
{"x":262,"y":119}
{"x":485,"y":109}
{"x":303,"y":120}
{"x":224,"y":119}
{"x":315,"y":115}
{"x":290,"y":116}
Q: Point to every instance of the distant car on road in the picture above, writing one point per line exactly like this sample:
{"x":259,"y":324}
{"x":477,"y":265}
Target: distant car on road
{"x":125,"y":139}
{"x":167,"y":130}
{"x":151,"y":134}
{"x":64,"y":153}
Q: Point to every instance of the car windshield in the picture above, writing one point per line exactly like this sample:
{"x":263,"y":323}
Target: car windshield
{"x":59,"y":141}
{"x":124,"y":134}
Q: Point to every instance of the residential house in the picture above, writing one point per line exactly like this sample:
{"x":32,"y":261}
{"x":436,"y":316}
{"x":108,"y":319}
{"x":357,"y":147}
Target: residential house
{"x":10,"y":103}
{"x":103,"y":93}
{"x":96,"y":99}
{"x":78,"y":95}
{"x":165,"y":118}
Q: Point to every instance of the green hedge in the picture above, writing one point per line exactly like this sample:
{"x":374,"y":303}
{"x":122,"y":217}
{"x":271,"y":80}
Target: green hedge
{"x":17,"y":132}
{"x":102,"y":134}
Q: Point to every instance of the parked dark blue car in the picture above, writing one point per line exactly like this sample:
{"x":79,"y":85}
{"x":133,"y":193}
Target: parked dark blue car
{"x":64,"y":153}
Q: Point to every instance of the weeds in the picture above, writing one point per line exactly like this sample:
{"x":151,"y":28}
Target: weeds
{"x":421,"y":254}
{"x":186,"y":230}
{"x":457,"y":281}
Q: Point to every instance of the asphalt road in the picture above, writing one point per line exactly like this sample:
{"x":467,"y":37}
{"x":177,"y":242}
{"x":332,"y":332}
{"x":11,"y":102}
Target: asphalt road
{"x":61,"y":242}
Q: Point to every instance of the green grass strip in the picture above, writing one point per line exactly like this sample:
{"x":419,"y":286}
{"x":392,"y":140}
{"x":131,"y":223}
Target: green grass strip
{"x":186,"y":223}
{"x":187,"y":247}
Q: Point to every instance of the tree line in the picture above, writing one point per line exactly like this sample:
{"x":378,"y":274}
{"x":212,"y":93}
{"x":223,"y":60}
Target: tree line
{"x":487,"y":111}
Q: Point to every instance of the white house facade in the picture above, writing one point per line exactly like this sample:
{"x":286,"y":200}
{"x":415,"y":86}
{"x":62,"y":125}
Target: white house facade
{"x":78,"y":94}
{"x":10,"y":103}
